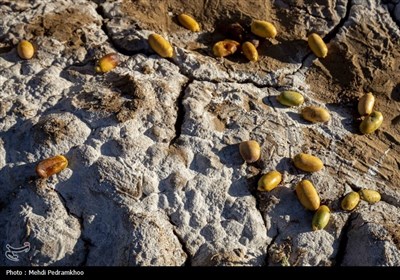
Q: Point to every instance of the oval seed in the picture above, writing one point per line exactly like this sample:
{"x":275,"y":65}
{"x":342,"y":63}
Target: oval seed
{"x":188,"y":22}
{"x":107,"y":63}
{"x":366,"y":104}
{"x":250,"y":151}
{"x":307,"y":162}
{"x":307,"y":195}
{"x":263,"y":29}
{"x":350,"y":201}
{"x":25,"y":49}
{"x":371,"y":123}
{"x":370,"y":196}
{"x":225,"y":48}
{"x":250,"y":51}
{"x":51,"y":166}
{"x":315,"y":114}
{"x":290,"y":98}
{"x":317,"y":45}
{"x":321,"y":218}
{"x":161,"y":46}
{"x":269,"y":181}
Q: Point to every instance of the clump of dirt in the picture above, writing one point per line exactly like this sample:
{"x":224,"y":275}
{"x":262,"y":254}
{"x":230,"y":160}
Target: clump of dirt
{"x":223,"y":112}
{"x":66,"y":26}
{"x":52,"y":129}
{"x":122,"y":99}
{"x":106,"y":102}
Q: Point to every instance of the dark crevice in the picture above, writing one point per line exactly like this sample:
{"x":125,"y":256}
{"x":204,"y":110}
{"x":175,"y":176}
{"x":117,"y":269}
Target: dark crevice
{"x":303,"y":61}
{"x":332,"y":34}
{"x":246,"y":81}
{"x":260,"y":86}
{"x":100,"y":11}
{"x":391,"y":12}
{"x":270,"y":245}
{"x":391,"y":138}
{"x":343,"y":240}
{"x":256,"y":195}
{"x":86,"y":242}
{"x":328,"y":37}
{"x":390,"y":200}
{"x":259,"y":210}
{"x":354,"y":187}
{"x":188,"y":261}
{"x":326,"y":18}
{"x":180,"y":116}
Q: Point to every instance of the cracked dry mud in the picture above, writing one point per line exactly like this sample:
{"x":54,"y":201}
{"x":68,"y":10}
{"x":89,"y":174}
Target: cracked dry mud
{"x":155,"y":176}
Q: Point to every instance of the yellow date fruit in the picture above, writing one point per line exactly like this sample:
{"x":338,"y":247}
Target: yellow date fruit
{"x":225,"y":48}
{"x":51,"y":166}
{"x":307,"y":195}
{"x":107,"y":63}
{"x":371,"y":122}
{"x":290,"y":98}
{"x":350,"y":201}
{"x":161,"y":46}
{"x":188,"y":22}
{"x":25,"y":49}
{"x":366,"y":104}
{"x":370,"y":196}
{"x":321,"y":218}
{"x":315,"y":114}
{"x":263,"y":29}
{"x":250,"y":51}
{"x":269,"y":181}
{"x":307,"y":162}
{"x":250,"y":151}
{"x":317,"y":45}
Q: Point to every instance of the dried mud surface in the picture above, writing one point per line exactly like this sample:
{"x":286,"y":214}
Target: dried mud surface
{"x":155,"y":176}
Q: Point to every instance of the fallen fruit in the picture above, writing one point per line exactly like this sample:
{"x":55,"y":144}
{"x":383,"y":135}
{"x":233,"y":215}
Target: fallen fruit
{"x":370,"y":196}
{"x":315,"y":114}
{"x":307,"y":162}
{"x":366,"y":104}
{"x":25,"y":49}
{"x":250,"y":151}
{"x":188,"y":22}
{"x":321,"y":218}
{"x":290,"y":98}
{"x":51,"y":166}
{"x":371,"y":122}
{"x":307,"y":195}
{"x":225,"y":48}
{"x":250,"y":51}
{"x":317,"y":45}
{"x":350,"y":201}
{"x":263,"y":29}
{"x":269,"y":181}
{"x":161,"y":46}
{"x":107,"y":63}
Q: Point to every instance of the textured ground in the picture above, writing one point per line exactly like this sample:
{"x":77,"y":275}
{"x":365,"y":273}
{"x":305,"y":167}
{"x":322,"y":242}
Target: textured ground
{"x":155,"y":176}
